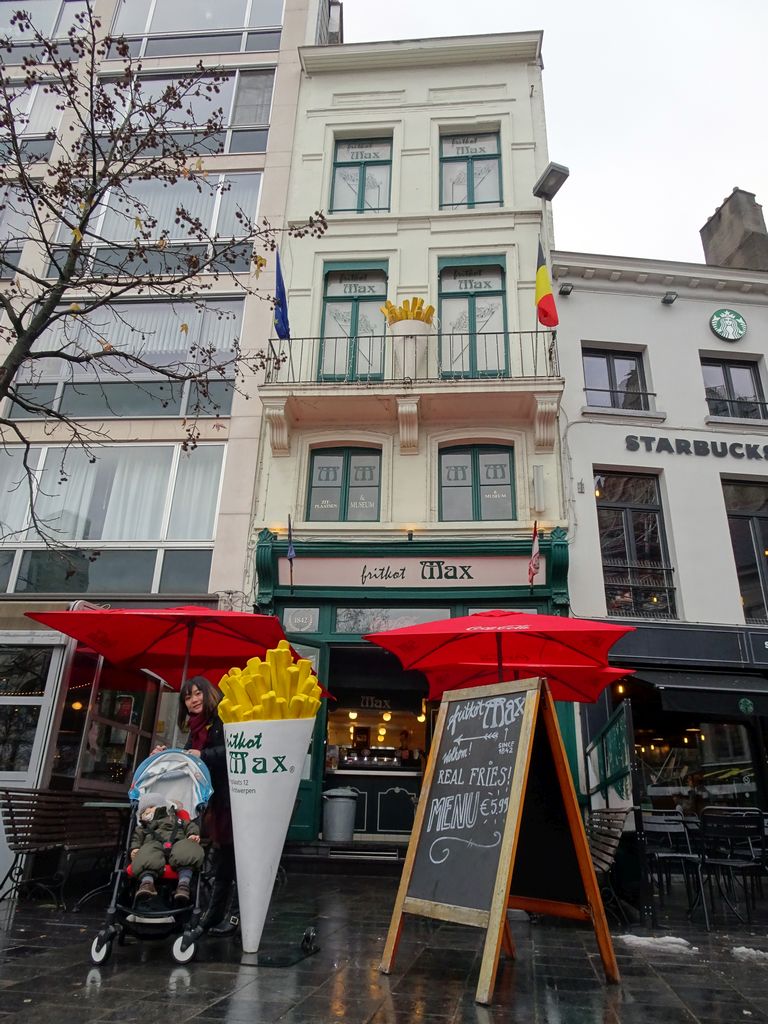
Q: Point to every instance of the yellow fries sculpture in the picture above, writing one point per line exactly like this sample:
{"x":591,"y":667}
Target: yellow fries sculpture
{"x":272,"y":689}
{"x":411,"y":309}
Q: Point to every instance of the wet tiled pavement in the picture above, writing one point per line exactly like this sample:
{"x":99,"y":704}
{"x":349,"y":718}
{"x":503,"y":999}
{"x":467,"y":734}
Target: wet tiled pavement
{"x":46,"y":976}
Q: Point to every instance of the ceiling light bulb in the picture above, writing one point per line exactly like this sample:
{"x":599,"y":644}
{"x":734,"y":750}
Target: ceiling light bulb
{"x":387,"y":716}
{"x":421,"y":718}
{"x":353,"y":715}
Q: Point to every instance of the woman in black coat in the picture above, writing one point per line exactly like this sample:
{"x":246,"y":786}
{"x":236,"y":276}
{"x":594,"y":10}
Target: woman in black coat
{"x":198,"y":704}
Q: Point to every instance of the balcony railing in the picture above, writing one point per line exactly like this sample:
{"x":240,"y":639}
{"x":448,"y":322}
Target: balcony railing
{"x":748,"y":408}
{"x":643,"y":590}
{"x":617,"y":398}
{"x":369,"y":359}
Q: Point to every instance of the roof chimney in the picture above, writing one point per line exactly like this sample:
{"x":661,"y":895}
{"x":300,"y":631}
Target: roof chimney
{"x":735,"y":235}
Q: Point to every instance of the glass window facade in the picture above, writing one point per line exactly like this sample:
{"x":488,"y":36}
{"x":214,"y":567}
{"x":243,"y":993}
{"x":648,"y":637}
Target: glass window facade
{"x":473,"y":321}
{"x":470,"y":171}
{"x":636,"y":570}
{"x":477,"y":484}
{"x":733,"y":389}
{"x":362,"y":173}
{"x":345,"y":485}
{"x":121,"y":516}
{"x":747,"y":508}
{"x":614,"y":380}
{"x":353,"y":332}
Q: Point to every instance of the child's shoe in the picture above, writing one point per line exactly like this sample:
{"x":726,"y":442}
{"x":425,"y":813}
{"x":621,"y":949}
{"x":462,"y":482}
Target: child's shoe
{"x":182,"y":894}
{"x":146,"y":889}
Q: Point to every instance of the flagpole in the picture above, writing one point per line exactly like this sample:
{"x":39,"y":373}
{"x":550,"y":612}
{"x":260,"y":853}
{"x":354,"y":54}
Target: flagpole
{"x":290,"y":554}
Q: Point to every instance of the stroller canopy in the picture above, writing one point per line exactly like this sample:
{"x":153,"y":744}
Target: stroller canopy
{"x":173,"y":775}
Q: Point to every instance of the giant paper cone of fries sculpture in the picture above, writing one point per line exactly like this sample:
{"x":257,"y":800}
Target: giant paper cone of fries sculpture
{"x":268,"y":711}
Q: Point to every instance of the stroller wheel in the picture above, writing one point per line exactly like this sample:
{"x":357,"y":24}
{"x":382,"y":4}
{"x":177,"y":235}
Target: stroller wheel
{"x":101,"y":950}
{"x":181,"y":954}
{"x":308,"y":940}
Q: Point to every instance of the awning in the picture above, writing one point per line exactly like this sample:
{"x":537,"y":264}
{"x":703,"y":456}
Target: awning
{"x":724,"y":682}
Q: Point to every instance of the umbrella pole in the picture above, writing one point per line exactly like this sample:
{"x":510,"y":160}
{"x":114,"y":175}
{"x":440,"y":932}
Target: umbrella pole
{"x":498,"y":657}
{"x":187,"y":652}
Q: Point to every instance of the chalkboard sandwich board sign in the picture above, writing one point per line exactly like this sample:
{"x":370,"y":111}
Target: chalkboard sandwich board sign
{"x":498,"y":825}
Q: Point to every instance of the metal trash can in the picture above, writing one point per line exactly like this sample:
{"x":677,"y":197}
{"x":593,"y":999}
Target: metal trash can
{"x":339,"y":815}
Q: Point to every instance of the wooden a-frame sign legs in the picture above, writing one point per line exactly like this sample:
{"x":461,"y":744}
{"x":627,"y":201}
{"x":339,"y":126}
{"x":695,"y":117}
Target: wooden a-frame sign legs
{"x":498,"y":826}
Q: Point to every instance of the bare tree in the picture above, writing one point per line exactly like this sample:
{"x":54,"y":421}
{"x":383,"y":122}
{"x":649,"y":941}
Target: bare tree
{"x":112,"y":205}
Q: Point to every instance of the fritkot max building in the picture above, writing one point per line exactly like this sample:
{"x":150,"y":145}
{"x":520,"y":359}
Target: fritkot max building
{"x":665,"y":455}
{"x":412,"y":458}
{"x":169,"y":527}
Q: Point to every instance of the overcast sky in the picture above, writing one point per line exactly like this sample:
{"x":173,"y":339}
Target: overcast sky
{"x":658,"y":108}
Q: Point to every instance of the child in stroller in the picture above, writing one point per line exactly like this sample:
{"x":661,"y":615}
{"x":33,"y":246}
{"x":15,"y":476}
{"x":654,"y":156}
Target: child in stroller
{"x":164,"y":834}
{"x":163,"y":785}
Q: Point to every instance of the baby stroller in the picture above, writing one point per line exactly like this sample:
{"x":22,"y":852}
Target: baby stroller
{"x":175,"y":776}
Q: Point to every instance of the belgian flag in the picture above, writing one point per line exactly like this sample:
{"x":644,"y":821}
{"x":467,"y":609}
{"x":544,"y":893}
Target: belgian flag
{"x":545,"y":300}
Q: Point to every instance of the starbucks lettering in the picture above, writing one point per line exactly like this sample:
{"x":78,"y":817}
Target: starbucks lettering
{"x":696,"y":447}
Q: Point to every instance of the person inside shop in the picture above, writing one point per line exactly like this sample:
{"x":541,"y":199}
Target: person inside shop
{"x":697,"y":795}
{"x":198,"y":703}
{"x":408,"y":758}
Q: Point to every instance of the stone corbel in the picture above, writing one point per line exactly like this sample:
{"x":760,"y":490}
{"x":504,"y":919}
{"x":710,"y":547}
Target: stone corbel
{"x":545,"y":421}
{"x":408,"y":422}
{"x":279,"y":437}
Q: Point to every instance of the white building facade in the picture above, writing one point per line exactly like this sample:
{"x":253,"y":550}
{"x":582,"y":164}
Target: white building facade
{"x":664,"y":428}
{"x":414,"y":459}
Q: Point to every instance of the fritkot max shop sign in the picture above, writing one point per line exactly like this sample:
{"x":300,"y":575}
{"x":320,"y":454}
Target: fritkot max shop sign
{"x":429,"y":573}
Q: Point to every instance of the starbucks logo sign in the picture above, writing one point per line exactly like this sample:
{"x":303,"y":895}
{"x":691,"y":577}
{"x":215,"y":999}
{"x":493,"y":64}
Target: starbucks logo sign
{"x":746,"y":707}
{"x":728,"y":324}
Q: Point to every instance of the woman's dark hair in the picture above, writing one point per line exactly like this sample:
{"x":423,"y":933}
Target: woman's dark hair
{"x":211,"y":697}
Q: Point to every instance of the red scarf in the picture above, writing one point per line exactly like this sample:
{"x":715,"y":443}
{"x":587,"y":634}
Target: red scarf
{"x":198,"y":730}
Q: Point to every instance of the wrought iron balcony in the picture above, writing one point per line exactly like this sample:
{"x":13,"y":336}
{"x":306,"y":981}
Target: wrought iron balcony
{"x":748,"y":407}
{"x":642,"y":590}
{"x":431,"y":358}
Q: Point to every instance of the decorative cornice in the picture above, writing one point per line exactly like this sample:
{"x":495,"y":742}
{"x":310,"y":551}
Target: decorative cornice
{"x":408,"y":422}
{"x":545,"y":420}
{"x":629,"y":271}
{"x":521,"y":47}
{"x":279,"y":437}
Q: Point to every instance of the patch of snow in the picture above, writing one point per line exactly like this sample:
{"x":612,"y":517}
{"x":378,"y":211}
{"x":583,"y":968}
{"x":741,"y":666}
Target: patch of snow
{"x":745,"y":953}
{"x":659,"y":943}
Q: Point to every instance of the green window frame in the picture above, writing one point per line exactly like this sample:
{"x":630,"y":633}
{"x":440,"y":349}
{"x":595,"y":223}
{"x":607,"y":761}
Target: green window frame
{"x":344,"y":485}
{"x":362,"y":176}
{"x":470,"y":170}
{"x":466,"y":471}
{"x":353,"y":331}
{"x":466,"y":306}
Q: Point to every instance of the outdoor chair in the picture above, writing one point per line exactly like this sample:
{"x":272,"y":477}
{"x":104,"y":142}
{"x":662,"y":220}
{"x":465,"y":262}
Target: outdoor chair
{"x":733,"y":849}
{"x":668,"y":845}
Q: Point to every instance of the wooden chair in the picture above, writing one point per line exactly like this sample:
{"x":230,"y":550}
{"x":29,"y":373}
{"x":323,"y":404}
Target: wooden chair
{"x":668,"y":845}
{"x":41,"y":821}
{"x":605,"y":827}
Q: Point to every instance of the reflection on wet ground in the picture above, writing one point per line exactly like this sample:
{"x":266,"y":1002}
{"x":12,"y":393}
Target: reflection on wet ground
{"x":46,"y":976}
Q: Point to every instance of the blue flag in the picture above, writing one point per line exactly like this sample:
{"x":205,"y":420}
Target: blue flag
{"x":282,"y":327}
{"x":291,"y":552}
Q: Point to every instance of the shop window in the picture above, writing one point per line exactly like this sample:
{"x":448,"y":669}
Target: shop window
{"x":362,"y":170}
{"x":733,"y":389}
{"x":470,"y":171}
{"x":224,"y":26}
{"x":352,"y":346}
{"x":345,"y":485}
{"x":614,"y":380}
{"x":24,"y":675}
{"x":636,"y":569}
{"x":477,"y":484}
{"x":145,"y":512}
{"x":373,"y":620}
{"x":473,"y":320}
{"x":747,"y":508}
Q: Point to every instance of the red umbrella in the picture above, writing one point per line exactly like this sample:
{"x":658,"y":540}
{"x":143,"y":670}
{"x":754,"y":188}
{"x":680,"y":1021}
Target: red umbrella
{"x":493,"y":644}
{"x":172,"y":642}
{"x":566,"y":682}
